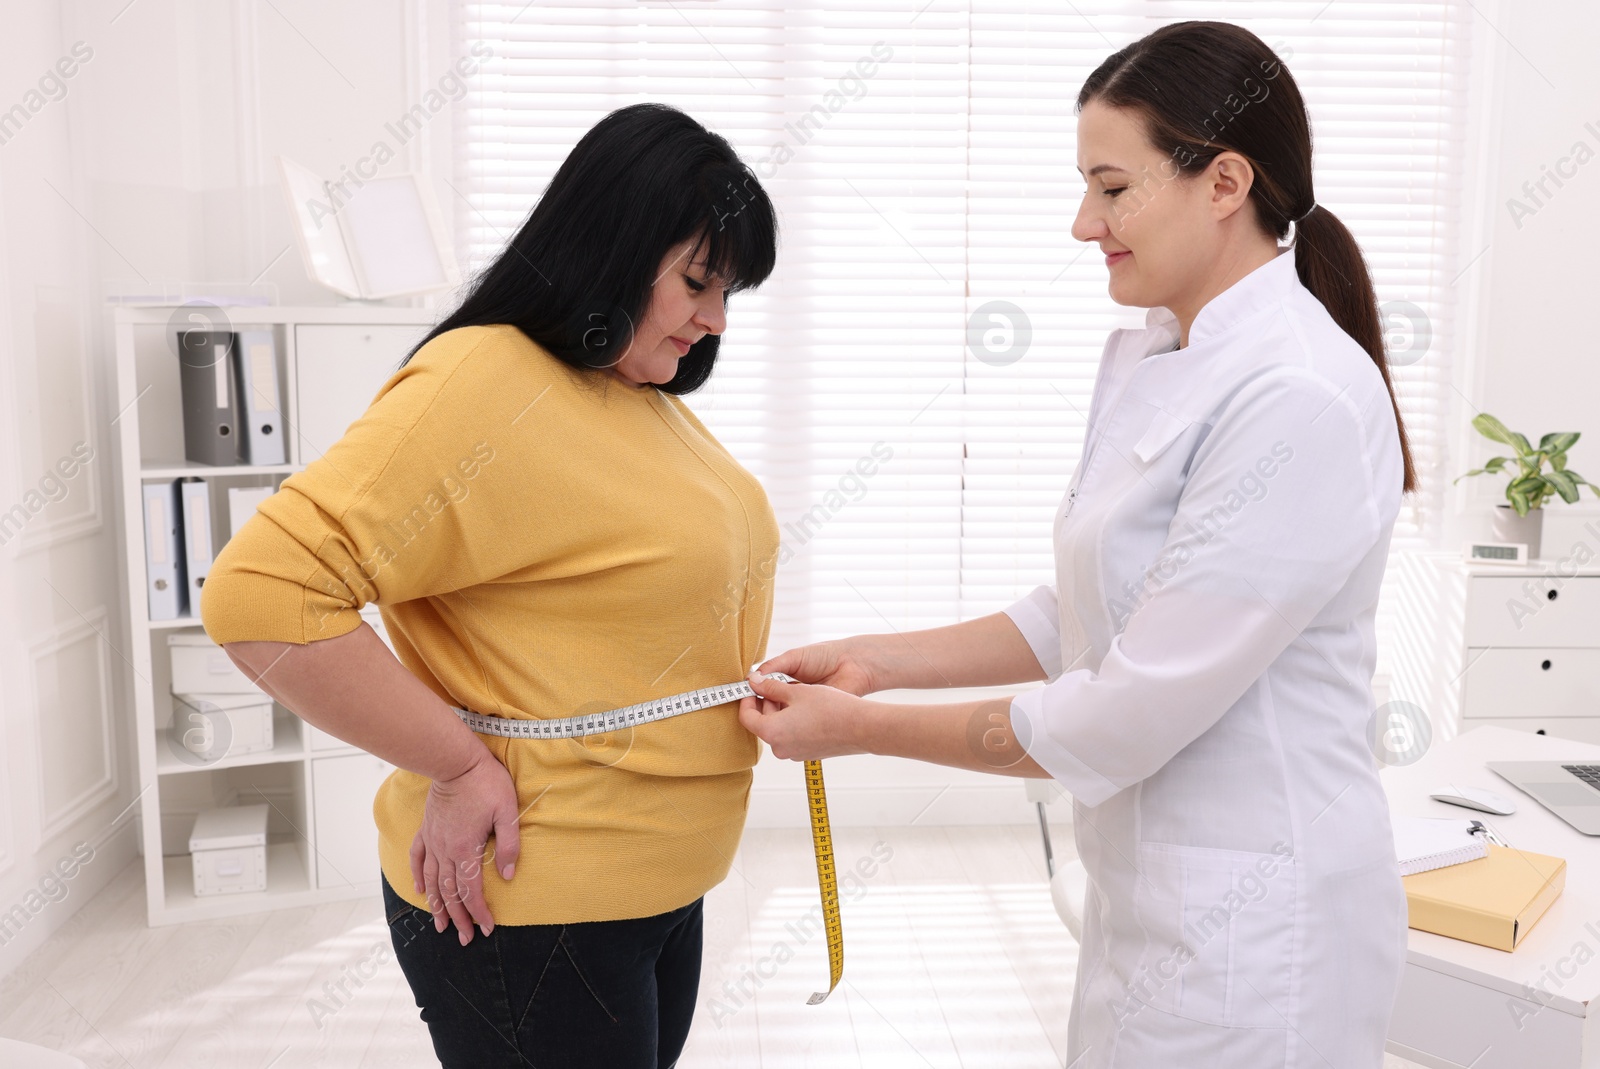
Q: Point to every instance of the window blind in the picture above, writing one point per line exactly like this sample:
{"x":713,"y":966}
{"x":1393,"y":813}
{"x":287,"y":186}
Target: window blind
{"x":912,"y":385}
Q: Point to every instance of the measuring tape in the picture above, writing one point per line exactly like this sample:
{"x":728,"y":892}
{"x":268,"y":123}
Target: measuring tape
{"x":573,"y":727}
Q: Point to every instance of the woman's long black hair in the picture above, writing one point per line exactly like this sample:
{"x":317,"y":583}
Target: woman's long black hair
{"x":576,"y":278}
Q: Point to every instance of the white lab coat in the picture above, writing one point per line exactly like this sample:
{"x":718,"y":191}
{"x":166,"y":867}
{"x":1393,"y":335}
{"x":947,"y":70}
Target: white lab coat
{"x":1209,"y":642}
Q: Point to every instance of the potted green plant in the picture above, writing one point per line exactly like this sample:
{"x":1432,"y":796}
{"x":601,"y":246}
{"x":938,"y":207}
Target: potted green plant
{"x":1523,"y":519}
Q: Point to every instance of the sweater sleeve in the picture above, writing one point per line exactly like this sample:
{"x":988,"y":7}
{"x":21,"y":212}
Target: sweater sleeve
{"x":387,"y":514}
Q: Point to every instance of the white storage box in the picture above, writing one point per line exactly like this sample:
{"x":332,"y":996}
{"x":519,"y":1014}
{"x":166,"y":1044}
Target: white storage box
{"x":214,"y":726}
{"x":200,"y":666}
{"x":229,"y":849}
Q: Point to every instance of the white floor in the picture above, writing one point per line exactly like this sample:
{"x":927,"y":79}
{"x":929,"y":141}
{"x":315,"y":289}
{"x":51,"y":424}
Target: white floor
{"x":954,"y":958}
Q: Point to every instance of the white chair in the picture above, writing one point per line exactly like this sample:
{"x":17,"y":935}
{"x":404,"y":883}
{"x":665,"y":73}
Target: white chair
{"x":15,"y":1054}
{"x":1069,"y":881}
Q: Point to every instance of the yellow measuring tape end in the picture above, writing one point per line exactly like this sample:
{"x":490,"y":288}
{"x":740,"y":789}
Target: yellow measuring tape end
{"x":827,"y":878}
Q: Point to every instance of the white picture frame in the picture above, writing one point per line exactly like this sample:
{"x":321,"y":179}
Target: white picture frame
{"x":382,"y":238}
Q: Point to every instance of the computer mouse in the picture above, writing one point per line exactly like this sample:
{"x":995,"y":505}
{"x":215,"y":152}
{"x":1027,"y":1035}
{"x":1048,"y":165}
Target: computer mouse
{"x":1476,"y":798}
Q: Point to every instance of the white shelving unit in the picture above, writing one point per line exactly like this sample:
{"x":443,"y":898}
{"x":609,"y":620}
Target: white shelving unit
{"x":321,"y":841}
{"x":1517,"y":646}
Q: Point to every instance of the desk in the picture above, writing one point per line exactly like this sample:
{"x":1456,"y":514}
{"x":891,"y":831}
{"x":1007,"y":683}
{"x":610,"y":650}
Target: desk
{"x":1465,"y":1005}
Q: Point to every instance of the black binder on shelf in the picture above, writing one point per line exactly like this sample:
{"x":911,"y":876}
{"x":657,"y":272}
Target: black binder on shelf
{"x":211,"y":398}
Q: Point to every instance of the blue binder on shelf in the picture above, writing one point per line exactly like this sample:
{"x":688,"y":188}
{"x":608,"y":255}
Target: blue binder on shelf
{"x":197,"y":550}
{"x":162,"y":553}
{"x":256,"y":367}
{"x":243,"y":501}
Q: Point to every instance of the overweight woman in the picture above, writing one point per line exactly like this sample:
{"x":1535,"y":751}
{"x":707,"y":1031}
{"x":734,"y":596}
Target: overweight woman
{"x":1208,"y":641}
{"x":537,"y":514}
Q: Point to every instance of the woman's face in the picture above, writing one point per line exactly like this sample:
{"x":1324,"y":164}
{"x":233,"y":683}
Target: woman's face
{"x":1159,"y":229}
{"x":685,"y":305}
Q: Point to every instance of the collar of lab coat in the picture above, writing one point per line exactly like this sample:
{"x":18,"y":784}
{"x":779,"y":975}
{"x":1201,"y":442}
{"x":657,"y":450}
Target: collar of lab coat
{"x":1265,"y":288}
{"x":1185,"y":383}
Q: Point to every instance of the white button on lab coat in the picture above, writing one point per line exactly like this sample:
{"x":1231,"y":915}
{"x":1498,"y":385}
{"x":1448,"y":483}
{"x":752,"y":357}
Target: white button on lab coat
{"x":1209,"y":642}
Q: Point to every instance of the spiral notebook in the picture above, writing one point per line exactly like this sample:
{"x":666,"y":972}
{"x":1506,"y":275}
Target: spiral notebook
{"x":1424,"y":843}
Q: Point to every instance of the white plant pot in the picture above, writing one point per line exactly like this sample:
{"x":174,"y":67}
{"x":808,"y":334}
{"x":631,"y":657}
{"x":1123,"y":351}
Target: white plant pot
{"x":1509,"y":527}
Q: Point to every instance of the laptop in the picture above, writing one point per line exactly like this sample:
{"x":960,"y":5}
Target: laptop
{"x":1570,"y":790}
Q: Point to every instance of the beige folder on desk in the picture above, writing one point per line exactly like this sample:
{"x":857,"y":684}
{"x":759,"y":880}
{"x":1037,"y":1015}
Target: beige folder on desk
{"x":1492,"y":901}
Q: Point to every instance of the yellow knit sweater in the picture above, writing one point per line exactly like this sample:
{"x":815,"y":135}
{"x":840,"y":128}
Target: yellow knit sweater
{"x":541,"y":542}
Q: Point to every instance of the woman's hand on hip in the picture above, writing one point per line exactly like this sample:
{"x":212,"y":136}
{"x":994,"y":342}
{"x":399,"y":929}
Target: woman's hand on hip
{"x":845,"y":664}
{"x":803,"y":722}
{"x":449,"y":851}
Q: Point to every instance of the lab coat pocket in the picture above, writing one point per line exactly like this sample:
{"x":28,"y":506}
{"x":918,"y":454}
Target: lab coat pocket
{"x":1162,"y":432}
{"x":1220,"y":943}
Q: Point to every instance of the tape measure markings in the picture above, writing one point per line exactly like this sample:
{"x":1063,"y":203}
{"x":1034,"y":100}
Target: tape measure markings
{"x":827,"y":878}
{"x":649,"y":712}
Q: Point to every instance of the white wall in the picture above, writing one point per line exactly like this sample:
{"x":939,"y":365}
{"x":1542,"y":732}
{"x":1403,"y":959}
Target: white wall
{"x":1533,"y":287}
{"x":194,"y":101}
{"x":148,"y":172}
{"x":66,"y":772}
{"x":161,"y":157}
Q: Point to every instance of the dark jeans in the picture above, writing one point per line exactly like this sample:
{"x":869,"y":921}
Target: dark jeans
{"x":602,"y":994}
